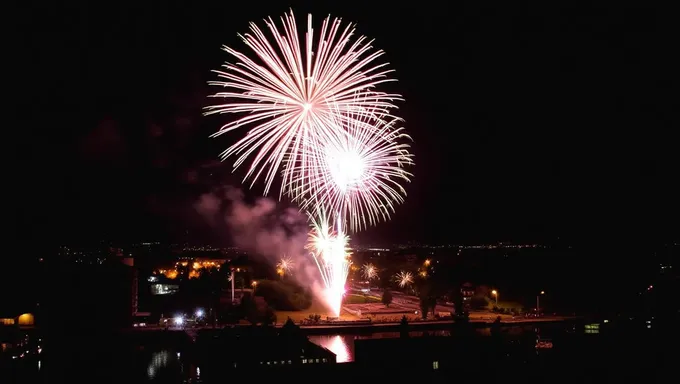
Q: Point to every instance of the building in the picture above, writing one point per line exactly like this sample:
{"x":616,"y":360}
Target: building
{"x":261,"y":348}
{"x":467,"y":291}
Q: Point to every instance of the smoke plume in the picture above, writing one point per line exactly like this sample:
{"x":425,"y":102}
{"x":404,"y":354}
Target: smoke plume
{"x":264,"y":229}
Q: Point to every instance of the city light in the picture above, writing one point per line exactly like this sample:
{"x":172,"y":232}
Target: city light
{"x":179,"y":320}
{"x":199,"y":313}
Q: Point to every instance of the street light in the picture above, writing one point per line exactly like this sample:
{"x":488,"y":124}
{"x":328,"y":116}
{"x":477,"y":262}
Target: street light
{"x":199,"y":313}
{"x":538,"y":297}
{"x":495,"y":294}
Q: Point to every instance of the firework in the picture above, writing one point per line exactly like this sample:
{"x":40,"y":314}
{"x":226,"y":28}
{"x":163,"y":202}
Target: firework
{"x":369,"y":271}
{"x":295,"y":89}
{"x":354,"y":170}
{"x":285,"y":265}
{"x":404,"y":278}
{"x":329,"y":248}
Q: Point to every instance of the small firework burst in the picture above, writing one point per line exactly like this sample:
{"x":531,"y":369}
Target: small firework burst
{"x":404,"y":278}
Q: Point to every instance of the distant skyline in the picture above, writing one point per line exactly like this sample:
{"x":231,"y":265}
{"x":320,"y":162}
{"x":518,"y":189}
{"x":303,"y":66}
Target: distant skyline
{"x":528,"y":126}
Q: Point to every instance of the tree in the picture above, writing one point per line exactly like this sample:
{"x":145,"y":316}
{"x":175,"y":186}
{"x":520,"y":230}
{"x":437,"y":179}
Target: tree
{"x":269,"y":316}
{"x":424,"y":306}
{"x":248,"y":308}
{"x":387,"y":297}
{"x":479,"y":302}
{"x":284,"y":295}
{"x":403,"y":327}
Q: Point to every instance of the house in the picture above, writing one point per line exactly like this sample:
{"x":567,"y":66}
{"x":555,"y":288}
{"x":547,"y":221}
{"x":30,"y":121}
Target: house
{"x":261,"y":348}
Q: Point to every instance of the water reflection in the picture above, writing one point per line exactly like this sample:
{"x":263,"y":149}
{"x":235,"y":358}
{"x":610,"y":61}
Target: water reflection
{"x":159,"y":360}
{"x":343,"y":345}
{"x":337,"y":345}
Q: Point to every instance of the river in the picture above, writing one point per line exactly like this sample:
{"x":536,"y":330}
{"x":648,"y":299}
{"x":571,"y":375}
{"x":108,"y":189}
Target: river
{"x":343,"y":345}
{"x":174,"y":363}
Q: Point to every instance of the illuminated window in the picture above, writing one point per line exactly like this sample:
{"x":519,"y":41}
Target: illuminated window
{"x":317,"y":360}
{"x":304,"y":361}
{"x":325,"y":360}
{"x":290,"y":362}
{"x":435,"y":365}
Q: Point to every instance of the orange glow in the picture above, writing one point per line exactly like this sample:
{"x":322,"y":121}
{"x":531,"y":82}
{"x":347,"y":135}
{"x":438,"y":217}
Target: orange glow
{"x":337,"y":345}
{"x":427,"y":262}
{"x":26,"y":319}
{"x":170,"y":274}
{"x":194,"y":274}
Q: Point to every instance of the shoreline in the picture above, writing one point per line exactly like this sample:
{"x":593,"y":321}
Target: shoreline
{"x":425,"y":325}
{"x":321,"y":329}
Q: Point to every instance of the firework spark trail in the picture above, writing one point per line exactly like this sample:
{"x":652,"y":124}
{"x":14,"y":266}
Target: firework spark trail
{"x":329,"y":249}
{"x":314,"y":115}
{"x":404,"y":278}
{"x":355,"y":171}
{"x":293,"y":92}
{"x":369,"y":271}
{"x":285,"y":265}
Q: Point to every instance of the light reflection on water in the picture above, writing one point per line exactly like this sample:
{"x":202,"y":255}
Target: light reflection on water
{"x":159,"y":360}
{"x":166,"y":363}
{"x":343,"y":345}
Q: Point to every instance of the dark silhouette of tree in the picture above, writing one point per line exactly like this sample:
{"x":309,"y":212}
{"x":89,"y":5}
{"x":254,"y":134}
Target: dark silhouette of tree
{"x":424,"y":306}
{"x":269,"y":316}
{"x":387,"y":297}
{"x":291,"y":332}
{"x":248,"y":308}
{"x":404,"y":328}
{"x":428,"y":299}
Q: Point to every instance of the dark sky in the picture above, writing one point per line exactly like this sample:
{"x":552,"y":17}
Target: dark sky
{"x":529,"y":123}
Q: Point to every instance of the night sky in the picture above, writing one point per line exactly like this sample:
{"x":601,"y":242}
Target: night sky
{"x":528,"y":124}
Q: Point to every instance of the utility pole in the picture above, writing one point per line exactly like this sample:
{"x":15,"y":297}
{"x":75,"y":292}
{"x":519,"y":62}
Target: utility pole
{"x":538,"y":297}
{"x":233,"y":276}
